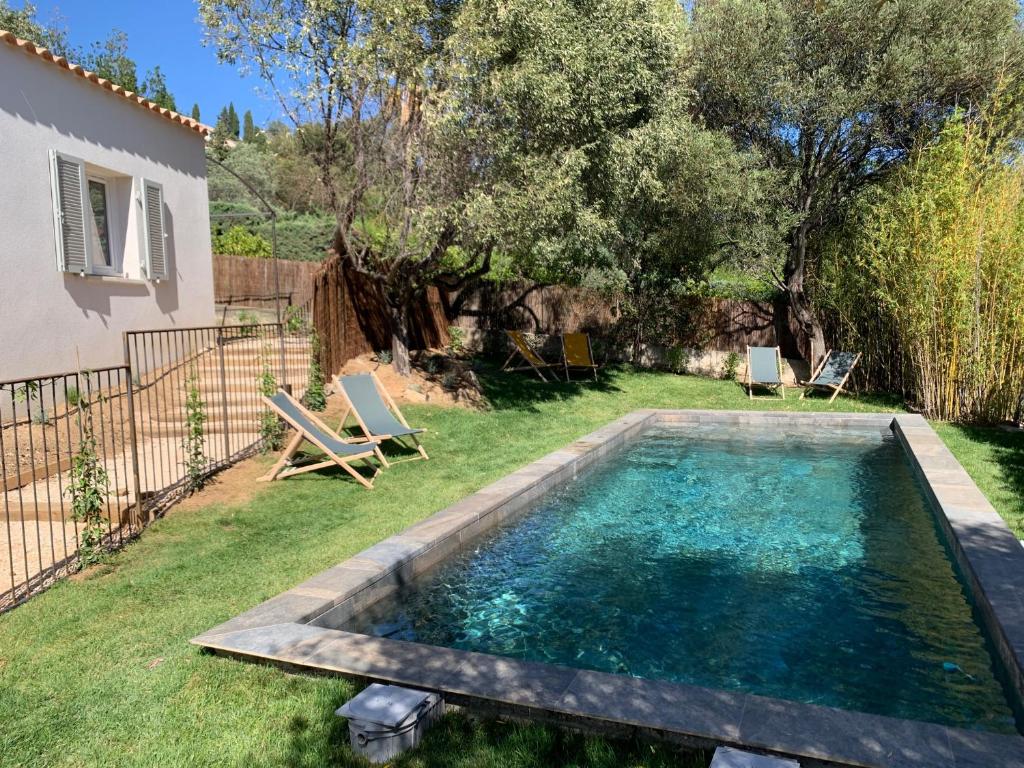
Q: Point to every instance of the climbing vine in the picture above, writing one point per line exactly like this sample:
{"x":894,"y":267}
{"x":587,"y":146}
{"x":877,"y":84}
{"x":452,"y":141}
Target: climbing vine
{"x":315,"y":398}
{"x":193,"y":444}
{"x":88,"y":488}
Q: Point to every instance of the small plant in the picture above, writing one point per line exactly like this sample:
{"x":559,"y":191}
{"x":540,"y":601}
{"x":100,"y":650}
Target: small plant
{"x":294,"y":322}
{"x":41,"y":417}
{"x":315,"y":399}
{"x":678,"y":359}
{"x":433,"y":364}
{"x":269,"y":426}
{"x":450,"y":381}
{"x":192,"y":444}
{"x":384,"y":357}
{"x":73,"y":396}
{"x":731,"y":366}
{"x":26,"y":392}
{"x":88,"y":488}
{"x":457,"y":340}
{"x":248,"y":320}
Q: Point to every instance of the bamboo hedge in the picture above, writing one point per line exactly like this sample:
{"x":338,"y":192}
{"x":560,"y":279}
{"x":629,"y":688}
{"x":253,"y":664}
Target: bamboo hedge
{"x":927,"y":278}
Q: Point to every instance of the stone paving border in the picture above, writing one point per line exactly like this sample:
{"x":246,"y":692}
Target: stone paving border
{"x":293,"y":628}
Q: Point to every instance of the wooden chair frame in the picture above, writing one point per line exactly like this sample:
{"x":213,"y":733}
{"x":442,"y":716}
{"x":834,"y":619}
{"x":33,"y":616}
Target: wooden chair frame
{"x":520,"y":344}
{"x":279,"y":471}
{"x":367,"y":436}
{"x":781,"y":387}
{"x":808,"y":386}
{"x":592,"y":366}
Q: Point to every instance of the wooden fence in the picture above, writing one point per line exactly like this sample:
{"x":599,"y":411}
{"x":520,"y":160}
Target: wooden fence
{"x":248,"y":281}
{"x":351,"y":317}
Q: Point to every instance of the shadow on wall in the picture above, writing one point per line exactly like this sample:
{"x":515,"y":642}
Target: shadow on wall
{"x":93,"y":294}
{"x":41,"y":93}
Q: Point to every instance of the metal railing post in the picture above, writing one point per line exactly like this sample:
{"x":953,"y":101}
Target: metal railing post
{"x":224,"y":396}
{"x":140,"y":512}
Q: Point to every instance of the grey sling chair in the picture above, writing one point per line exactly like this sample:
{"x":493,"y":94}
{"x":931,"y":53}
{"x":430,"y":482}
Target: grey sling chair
{"x":309,"y":427}
{"x":375,"y":412}
{"x":763,"y":369}
{"x":832,"y":374}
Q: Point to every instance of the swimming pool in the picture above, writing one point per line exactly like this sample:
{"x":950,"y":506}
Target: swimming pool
{"x":799,"y":542}
{"x":781,"y":564}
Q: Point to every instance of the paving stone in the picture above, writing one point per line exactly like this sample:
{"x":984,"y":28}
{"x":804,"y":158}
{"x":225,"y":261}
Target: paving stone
{"x":280,"y":609}
{"x":844,"y":737}
{"x":510,"y":681}
{"x":727,"y":757}
{"x":689,"y":710}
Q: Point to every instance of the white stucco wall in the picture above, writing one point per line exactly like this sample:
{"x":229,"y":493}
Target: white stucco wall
{"x":47,"y":316}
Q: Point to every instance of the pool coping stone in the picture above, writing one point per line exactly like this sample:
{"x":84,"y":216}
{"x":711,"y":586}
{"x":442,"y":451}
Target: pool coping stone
{"x":288,"y":629}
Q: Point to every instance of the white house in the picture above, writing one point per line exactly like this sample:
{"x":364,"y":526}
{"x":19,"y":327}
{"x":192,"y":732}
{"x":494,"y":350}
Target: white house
{"x":104,"y":220}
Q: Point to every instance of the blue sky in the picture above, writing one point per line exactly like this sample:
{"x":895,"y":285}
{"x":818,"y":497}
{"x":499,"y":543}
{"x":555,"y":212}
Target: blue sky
{"x":168,"y":33}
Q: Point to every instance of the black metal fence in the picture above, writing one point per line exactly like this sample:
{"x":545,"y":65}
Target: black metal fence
{"x":134,"y":419}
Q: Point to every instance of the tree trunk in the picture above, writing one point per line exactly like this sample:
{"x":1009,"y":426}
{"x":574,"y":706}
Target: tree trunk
{"x":812,"y":340}
{"x":400,"y":340}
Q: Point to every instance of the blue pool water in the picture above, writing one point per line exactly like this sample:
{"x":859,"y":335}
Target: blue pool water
{"x":777,"y":565}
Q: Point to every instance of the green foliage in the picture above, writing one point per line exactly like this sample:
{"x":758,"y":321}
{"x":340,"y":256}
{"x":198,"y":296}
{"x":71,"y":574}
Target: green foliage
{"x":154,"y":87}
{"x":238,"y":241}
{"x":832,"y":93}
{"x":456,"y":340}
{"x":24,"y":24}
{"x":110,"y":60}
{"x":88,"y":486}
{"x":730,"y":366}
{"x":384,"y":356}
{"x":72,"y":396}
{"x":249,"y":131}
{"x":315,"y":397}
{"x":678,"y":359}
{"x":193,"y":443}
{"x":301,"y":237}
{"x":269,"y":426}
{"x":927,"y":277}
{"x":294,"y":321}
{"x":195,"y":111}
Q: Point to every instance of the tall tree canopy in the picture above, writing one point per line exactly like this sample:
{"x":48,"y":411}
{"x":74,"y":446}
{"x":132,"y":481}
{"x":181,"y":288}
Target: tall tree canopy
{"x":834,"y":92}
{"x":447,"y":134}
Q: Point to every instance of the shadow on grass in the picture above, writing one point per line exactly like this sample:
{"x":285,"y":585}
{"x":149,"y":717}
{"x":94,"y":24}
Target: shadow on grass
{"x":522,"y":391}
{"x":459,"y":741}
{"x":1004,"y":448}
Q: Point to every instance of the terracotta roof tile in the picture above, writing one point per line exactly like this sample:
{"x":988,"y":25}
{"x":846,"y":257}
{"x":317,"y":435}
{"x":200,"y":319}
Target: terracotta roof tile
{"x":60,"y":61}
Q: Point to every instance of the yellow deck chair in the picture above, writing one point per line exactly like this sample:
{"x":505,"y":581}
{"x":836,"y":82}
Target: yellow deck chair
{"x":577,"y":354}
{"x":523,"y":350}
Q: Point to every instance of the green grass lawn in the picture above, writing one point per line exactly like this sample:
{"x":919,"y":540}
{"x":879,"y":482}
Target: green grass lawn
{"x":98,"y":670}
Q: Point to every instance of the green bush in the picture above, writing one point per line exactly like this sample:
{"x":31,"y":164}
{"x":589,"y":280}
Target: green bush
{"x":238,"y":241}
{"x":301,"y":237}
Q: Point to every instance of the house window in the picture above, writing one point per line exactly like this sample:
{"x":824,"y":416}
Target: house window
{"x":107,"y":223}
{"x":100,"y":230}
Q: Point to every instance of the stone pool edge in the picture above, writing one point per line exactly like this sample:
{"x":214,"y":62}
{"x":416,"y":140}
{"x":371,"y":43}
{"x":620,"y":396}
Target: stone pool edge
{"x":283,"y":628}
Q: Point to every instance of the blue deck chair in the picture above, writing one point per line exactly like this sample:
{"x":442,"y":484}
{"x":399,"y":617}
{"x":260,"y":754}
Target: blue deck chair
{"x":375,"y":412}
{"x":832,"y":374}
{"x":309,"y":427}
{"x":764,"y":366}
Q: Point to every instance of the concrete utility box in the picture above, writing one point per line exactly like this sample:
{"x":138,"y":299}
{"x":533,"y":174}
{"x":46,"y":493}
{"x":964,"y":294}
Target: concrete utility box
{"x":727,"y":757}
{"x":386,"y":720}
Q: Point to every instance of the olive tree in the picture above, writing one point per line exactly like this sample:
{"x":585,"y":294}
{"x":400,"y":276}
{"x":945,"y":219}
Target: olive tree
{"x":833,"y":94}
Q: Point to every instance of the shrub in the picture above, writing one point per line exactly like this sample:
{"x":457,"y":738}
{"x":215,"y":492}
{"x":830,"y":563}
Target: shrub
{"x":269,"y":426}
{"x":192,"y":443}
{"x":315,"y":398}
{"x":731,"y":366}
{"x":88,"y":487}
{"x":927,"y":279}
{"x":238,"y":241}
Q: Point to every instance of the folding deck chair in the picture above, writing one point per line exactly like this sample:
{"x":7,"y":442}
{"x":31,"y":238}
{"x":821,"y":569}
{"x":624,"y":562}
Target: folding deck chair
{"x":309,"y":427}
{"x":577,"y":353}
{"x":832,"y":374}
{"x":764,"y":366}
{"x":535,"y":362}
{"x":375,"y":412}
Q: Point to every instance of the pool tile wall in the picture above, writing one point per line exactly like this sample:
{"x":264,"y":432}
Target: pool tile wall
{"x":286,"y":629}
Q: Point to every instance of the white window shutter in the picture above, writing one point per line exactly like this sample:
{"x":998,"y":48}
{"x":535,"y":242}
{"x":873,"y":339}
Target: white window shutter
{"x":156,"y":235}
{"x":71,"y":212}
